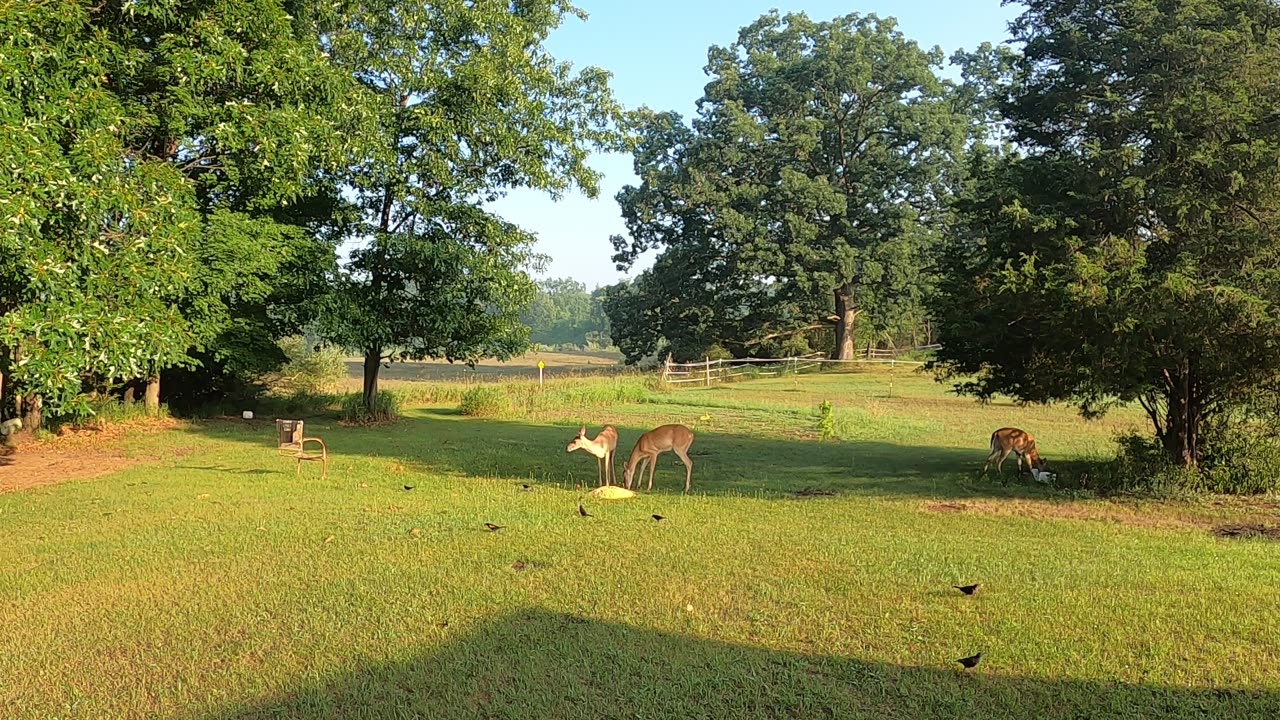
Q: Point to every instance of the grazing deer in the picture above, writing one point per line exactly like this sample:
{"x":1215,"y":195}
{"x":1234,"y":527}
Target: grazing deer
{"x":602,"y":447}
{"x":676,"y":438}
{"x":1012,"y":440}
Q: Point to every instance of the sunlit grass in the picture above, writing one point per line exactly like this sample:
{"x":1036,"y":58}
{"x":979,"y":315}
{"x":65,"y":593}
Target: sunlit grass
{"x":212,"y":583}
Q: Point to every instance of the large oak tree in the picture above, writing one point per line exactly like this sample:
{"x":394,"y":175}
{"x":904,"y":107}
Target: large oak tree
{"x":808,"y":185}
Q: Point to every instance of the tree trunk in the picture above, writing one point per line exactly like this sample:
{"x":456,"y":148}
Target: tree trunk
{"x":130,"y":394}
{"x":32,"y":413}
{"x":372,"y":366}
{"x":846,"y":318}
{"x":151,"y":398}
{"x":1184,"y":415}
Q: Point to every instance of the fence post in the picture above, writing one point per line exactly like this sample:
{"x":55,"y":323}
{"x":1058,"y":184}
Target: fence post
{"x":708,"y":371}
{"x":666,"y":368}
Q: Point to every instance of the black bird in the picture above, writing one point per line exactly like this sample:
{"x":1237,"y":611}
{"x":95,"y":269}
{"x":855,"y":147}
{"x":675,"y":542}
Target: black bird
{"x":971,"y":661}
{"x":968,"y":589}
{"x":583,"y":511}
{"x":524,"y":486}
{"x":409,"y":487}
{"x":658,"y":517}
{"x":494,"y":528}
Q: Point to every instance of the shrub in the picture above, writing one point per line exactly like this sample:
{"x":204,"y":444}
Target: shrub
{"x":484,"y":401}
{"x":310,"y":369}
{"x":826,"y":420}
{"x":386,"y":408}
{"x":1242,"y":456}
{"x":1240,"y":459}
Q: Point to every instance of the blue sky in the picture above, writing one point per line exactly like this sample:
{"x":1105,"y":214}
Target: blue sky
{"x":656,"y":51}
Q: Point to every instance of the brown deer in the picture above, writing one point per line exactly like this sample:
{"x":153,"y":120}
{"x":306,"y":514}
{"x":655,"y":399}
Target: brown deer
{"x":676,"y":438}
{"x":1012,"y":440}
{"x":602,"y":448}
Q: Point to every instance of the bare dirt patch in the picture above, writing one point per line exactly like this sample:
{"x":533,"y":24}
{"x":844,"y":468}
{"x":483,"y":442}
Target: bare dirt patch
{"x":74,"y":454}
{"x":1140,"y":513}
{"x":1248,"y":531}
{"x":810,"y":492}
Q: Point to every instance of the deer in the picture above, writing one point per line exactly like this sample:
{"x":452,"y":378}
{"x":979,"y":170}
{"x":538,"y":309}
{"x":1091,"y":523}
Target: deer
{"x":1012,"y":440}
{"x":602,"y":448}
{"x":676,"y":438}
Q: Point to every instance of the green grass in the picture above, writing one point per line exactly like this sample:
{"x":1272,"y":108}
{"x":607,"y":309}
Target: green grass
{"x":209,"y":582}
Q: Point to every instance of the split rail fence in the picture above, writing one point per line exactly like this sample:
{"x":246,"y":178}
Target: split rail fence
{"x":711,"y":371}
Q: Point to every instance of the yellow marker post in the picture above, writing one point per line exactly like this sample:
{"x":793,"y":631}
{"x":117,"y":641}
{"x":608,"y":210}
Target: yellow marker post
{"x":541,"y":365}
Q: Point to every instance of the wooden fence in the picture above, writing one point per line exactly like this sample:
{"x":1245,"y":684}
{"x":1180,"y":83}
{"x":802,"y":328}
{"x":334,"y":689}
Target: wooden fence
{"x":711,"y":371}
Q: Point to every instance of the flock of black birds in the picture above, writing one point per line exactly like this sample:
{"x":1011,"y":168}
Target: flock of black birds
{"x":967,"y":662}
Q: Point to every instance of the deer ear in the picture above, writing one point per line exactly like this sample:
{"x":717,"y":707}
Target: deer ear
{"x":582,"y":431}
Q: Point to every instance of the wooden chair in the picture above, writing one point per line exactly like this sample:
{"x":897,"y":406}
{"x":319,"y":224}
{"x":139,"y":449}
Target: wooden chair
{"x":294,"y":445}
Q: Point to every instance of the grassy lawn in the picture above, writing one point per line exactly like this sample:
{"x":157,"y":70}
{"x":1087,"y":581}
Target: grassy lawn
{"x":207,"y":581}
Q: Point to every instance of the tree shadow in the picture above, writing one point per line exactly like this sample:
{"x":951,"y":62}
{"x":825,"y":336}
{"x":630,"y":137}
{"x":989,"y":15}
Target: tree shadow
{"x":444,"y":442}
{"x":537,"y":664}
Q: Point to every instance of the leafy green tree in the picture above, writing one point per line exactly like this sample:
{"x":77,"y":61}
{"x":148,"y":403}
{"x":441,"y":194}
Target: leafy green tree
{"x":811,"y":180}
{"x":92,"y":253}
{"x":564,"y":313}
{"x":465,"y":101}
{"x":156,"y":149}
{"x":1129,"y":251}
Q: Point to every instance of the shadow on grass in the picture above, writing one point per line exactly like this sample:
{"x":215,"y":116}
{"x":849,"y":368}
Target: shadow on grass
{"x":538,"y":664}
{"x":444,"y":442}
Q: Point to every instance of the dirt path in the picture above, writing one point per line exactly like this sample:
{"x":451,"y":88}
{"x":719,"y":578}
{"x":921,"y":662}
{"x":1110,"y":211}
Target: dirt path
{"x":73,"y":455}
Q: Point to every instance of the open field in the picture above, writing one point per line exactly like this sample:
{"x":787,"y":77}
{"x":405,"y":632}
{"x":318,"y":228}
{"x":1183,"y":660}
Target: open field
{"x":204,"y":580}
{"x":525,"y":366}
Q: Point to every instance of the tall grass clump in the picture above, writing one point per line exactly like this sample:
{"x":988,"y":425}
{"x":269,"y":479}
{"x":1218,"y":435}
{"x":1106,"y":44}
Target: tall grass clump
{"x":526,"y":398}
{"x":490,"y":400}
{"x":309,"y":369}
{"x":387,"y":406}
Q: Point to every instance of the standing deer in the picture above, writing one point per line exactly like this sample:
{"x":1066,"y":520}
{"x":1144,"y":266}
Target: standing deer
{"x":602,"y":448}
{"x":1012,"y":440}
{"x":676,"y":438}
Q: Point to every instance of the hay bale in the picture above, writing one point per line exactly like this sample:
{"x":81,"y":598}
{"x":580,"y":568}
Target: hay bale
{"x":611,"y":492}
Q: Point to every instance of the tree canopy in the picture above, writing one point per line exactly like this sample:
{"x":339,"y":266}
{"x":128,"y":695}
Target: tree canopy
{"x":806,"y":188}
{"x":564,"y":313}
{"x":1128,"y":250}
{"x":153,"y":148}
{"x":464,"y":102}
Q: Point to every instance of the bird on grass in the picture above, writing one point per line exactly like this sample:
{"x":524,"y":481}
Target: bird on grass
{"x":524,"y":486}
{"x":971,"y":661}
{"x":583,"y":511}
{"x":409,"y":487}
{"x":968,"y":589}
{"x":658,"y":517}
{"x":493,"y":528}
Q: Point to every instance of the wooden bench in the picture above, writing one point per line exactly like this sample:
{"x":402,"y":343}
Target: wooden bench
{"x":294,"y":445}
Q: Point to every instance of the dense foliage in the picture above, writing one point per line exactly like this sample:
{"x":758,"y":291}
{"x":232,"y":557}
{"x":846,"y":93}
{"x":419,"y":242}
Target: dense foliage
{"x":1128,"y":250}
{"x":464,"y":102}
{"x":805,"y":191}
{"x":152,"y":153}
{"x":563,"y":314}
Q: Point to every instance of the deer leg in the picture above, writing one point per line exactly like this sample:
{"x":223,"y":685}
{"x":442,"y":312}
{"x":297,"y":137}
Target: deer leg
{"x":653,"y":465}
{"x":1000,"y":463}
{"x":994,"y":454}
{"x":688,"y":468}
